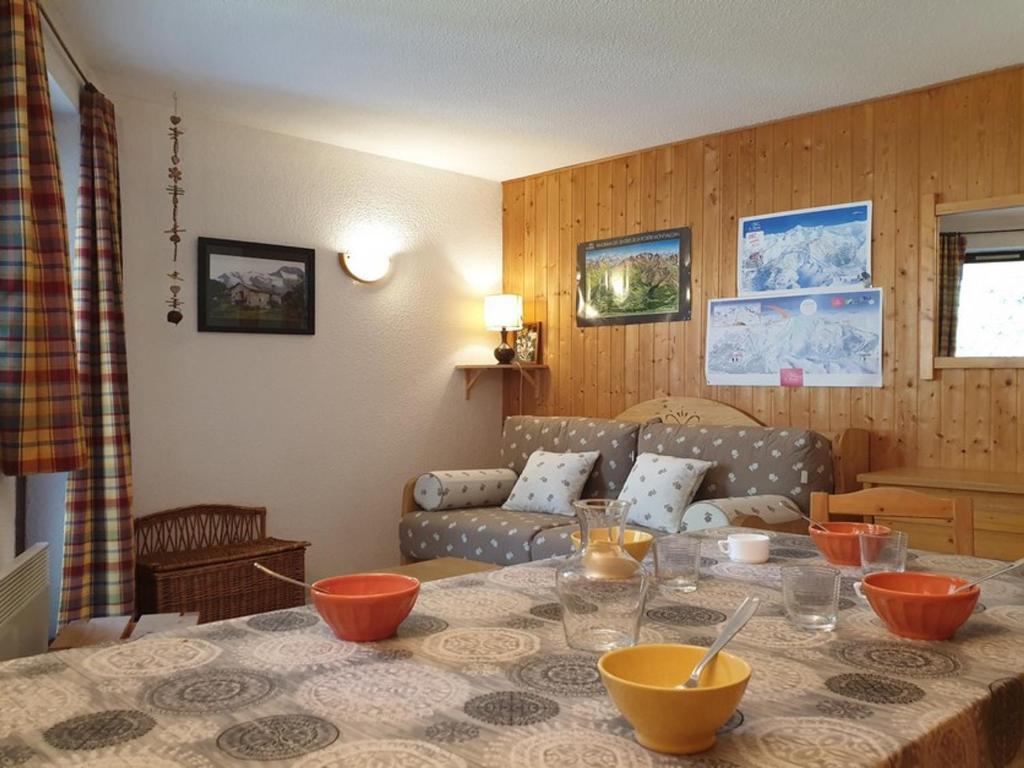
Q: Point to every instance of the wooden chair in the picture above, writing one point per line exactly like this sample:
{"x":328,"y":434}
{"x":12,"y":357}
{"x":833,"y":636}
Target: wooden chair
{"x":901,"y":502}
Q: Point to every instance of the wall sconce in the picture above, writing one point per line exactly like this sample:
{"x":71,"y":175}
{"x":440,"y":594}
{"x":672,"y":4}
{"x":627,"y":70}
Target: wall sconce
{"x":366,"y":267}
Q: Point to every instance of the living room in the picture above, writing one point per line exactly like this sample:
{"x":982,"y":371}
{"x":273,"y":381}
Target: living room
{"x":331,"y":251}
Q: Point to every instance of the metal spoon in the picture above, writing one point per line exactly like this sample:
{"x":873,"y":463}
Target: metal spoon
{"x":1012,"y":566}
{"x":815,"y":523}
{"x":747,"y":609}
{"x":290,"y":580}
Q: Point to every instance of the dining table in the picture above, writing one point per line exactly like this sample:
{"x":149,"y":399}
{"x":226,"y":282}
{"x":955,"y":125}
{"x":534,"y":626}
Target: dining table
{"x":480,"y":674}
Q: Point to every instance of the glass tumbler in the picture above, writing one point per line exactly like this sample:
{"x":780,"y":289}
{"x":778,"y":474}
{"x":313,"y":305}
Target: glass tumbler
{"x":677,"y":563}
{"x":810,"y":594}
{"x":883,"y":552}
{"x":602,"y":589}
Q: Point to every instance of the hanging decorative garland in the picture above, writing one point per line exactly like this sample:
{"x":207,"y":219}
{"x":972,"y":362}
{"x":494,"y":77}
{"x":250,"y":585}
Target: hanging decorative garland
{"x":176,"y":191}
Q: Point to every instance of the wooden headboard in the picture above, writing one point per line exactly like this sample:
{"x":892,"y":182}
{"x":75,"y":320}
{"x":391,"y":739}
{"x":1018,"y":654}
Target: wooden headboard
{"x":850,"y":447}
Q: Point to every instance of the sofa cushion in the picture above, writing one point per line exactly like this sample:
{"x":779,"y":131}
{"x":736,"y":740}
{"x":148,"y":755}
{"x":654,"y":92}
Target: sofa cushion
{"x":749,"y":461}
{"x":660,"y":488}
{"x":551,"y":482}
{"x":552,"y":542}
{"x":488,"y":534}
{"x":614,"y":440}
{"x":463,"y":488}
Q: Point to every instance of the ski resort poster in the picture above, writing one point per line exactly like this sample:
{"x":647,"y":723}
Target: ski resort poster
{"x":812,"y":249}
{"x":809,"y":339}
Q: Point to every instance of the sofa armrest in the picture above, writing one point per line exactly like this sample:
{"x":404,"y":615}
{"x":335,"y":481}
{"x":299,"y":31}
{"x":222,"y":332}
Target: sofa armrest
{"x":851,"y":456}
{"x":409,"y":497}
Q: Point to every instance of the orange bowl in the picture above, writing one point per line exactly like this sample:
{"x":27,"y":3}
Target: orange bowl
{"x":841,"y":545}
{"x":637,"y":543}
{"x":365,"y":606}
{"x":919,"y":606}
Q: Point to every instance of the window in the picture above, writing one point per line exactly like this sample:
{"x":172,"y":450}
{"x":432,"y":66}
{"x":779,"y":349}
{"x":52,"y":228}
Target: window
{"x":990,"y":308}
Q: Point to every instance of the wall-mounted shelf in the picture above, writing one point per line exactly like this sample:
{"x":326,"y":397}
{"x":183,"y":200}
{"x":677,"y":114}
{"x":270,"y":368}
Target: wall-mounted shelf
{"x":529,"y":371}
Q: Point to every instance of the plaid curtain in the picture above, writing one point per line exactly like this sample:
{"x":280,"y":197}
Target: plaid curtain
{"x":99,"y":577}
{"x":40,"y":412}
{"x":952,"y":248}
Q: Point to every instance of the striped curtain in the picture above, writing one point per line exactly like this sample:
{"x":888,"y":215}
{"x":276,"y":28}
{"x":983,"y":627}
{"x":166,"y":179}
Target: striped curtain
{"x":40,"y":412}
{"x":952,"y":249}
{"x":99,"y":577}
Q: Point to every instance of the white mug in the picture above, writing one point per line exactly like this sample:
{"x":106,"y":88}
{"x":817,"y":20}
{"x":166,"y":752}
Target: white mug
{"x":746,"y":547}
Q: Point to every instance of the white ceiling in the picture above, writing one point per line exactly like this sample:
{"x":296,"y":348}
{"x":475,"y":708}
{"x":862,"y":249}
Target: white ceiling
{"x":500,"y":88}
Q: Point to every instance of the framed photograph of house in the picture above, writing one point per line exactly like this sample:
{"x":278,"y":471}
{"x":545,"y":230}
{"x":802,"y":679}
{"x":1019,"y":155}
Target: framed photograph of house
{"x":255,"y":287}
{"x":635,"y":279}
{"x":528,"y":344}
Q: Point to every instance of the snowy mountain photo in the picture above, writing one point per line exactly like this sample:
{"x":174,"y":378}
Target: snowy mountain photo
{"x":812,"y":249}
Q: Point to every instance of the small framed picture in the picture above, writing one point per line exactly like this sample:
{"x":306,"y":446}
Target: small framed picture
{"x":255,"y":287}
{"x":528,"y":342}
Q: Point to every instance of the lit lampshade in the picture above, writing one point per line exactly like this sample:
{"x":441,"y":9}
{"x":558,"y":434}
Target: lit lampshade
{"x":366,"y":267}
{"x":503,"y":311}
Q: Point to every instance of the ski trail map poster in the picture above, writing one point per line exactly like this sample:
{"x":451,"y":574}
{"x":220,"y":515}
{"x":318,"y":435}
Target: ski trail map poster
{"x":805,"y":250}
{"x":800,"y":339}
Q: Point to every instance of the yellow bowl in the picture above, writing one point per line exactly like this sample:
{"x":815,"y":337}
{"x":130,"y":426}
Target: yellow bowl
{"x":637,"y":543}
{"x":681,"y":721}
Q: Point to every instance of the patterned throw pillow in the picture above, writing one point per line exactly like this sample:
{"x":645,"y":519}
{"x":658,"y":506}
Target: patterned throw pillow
{"x":463,"y":488}
{"x":551,"y":482}
{"x":660,"y":488}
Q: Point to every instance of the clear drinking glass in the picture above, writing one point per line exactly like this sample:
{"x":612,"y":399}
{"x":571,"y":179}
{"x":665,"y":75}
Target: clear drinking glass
{"x":883,"y":552}
{"x":810,"y":594}
{"x":602,"y":589}
{"x":677,"y":563}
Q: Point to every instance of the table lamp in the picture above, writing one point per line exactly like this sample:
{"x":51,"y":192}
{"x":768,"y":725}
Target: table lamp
{"x":503,"y":312}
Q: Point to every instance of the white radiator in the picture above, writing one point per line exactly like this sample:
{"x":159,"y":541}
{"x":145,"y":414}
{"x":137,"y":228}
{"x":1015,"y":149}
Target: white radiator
{"x":25,"y":604}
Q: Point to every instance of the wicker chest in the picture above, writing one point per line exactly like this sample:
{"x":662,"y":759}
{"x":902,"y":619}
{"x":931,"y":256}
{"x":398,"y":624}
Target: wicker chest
{"x":200,"y":559}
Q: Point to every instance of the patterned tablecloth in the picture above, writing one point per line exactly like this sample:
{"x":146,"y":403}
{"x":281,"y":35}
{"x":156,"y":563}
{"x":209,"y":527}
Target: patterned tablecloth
{"x":480,"y":675}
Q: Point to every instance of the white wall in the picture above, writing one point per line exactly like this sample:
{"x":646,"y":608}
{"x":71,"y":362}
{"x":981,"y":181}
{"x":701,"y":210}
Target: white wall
{"x":324,"y":429}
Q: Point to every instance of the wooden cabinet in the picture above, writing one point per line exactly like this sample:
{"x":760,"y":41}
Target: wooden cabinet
{"x":998,"y":508}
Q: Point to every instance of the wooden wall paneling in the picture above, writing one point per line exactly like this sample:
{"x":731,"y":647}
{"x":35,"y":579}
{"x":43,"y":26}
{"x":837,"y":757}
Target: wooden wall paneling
{"x":862,"y":158}
{"x":956,"y":112}
{"x":763,"y":187}
{"x":603,"y":361}
{"x":929,"y":388}
{"x":617,"y":361}
{"x":552,"y":301}
{"x":591,"y":231}
{"x":631,"y":375}
{"x":959,"y":141}
{"x":566,"y":293}
{"x":693,"y":374}
{"x":662,"y":220}
{"x":648,"y":222}
{"x":842,"y":192}
{"x":712,"y":253}
{"x":540,"y":285}
{"x":513,"y":216}
{"x":800,"y":197}
{"x":579,"y":190}
{"x":1006,"y":419}
{"x":822,"y":126}
{"x":746,"y":205}
{"x":677,"y":330}
{"x":727,"y":242}
{"x":978,"y":382}
{"x":908,"y":205}
{"x":782,"y":200}
{"x":1019,"y":90}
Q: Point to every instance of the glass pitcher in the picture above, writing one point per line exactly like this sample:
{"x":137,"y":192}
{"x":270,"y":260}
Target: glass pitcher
{"x":602,"y":588}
